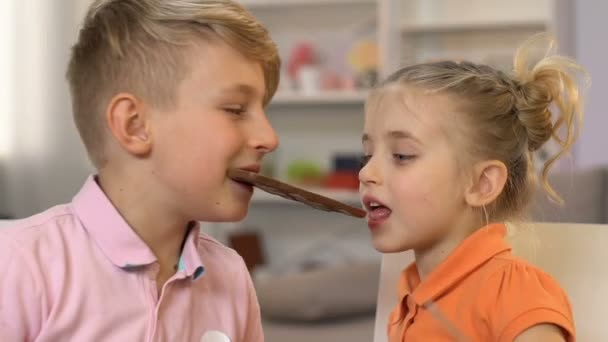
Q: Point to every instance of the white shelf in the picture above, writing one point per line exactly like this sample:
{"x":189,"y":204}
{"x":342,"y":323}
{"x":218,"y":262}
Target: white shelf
{"x":346,"y":196}
{"x":269,"y":4}
{"x":451,"y":26}
{"x":324,"y":97}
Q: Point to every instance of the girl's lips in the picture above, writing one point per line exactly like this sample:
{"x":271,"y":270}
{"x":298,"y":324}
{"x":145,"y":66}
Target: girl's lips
{"x":370,"y":201}
{"x":377,"y":212}
{"x":377,"y":217}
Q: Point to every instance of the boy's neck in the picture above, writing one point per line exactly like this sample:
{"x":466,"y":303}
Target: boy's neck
{"x":162,"y":232}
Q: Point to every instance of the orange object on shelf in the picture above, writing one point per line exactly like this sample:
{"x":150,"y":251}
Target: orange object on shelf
{"x":342,"y":180}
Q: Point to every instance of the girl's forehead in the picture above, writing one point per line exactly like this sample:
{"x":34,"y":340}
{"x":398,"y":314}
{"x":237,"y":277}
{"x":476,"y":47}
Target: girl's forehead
{"x":418,"y":111}
{"x":392,"y":106}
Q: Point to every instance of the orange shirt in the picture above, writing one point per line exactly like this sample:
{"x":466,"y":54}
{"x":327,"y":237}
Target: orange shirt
{"x":481,"y":292}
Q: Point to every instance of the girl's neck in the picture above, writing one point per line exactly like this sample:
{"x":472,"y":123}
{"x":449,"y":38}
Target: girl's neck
{"x":428,"y":259}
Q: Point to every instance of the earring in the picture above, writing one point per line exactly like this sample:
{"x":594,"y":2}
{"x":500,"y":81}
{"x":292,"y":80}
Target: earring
{"x":485,"y":214}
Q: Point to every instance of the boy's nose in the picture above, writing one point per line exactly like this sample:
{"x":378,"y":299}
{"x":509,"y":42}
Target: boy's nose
{"x":264,"y":137}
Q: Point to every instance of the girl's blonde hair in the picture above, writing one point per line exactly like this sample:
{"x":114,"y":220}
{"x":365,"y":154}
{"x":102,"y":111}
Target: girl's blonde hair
{"x":508,"y":117}
{"x":144,"y":47}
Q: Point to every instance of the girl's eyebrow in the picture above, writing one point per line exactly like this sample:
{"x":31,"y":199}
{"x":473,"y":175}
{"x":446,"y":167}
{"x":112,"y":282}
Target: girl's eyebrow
{"x":399,"y":135}
{"x":395,"y":135}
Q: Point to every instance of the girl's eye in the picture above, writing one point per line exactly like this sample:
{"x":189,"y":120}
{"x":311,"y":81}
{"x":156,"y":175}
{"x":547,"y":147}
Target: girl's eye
{"x":402,"y":157}
{"x":363,"y":160}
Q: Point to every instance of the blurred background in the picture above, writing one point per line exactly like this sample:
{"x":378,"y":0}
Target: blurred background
{"x":316,"y":272}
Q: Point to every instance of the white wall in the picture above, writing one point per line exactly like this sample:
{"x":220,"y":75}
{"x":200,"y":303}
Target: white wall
{"x":46,"y":162}
{"x":592,"y":52}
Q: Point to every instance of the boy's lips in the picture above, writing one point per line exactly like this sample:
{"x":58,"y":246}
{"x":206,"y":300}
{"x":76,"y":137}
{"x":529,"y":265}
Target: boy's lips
{"x":293,"y":193}
{"x":252,"y":168}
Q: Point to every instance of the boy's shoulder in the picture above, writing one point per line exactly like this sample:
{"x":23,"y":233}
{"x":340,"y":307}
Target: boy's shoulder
{"x":30,"y":230}
{"x":36,"y":243}
{"x":55,"y":230}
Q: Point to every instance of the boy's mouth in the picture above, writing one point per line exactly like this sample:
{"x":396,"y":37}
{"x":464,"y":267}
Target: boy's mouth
{"x":294,"y":193}
{"x":251,"y":168}
{"x":243,"y":185}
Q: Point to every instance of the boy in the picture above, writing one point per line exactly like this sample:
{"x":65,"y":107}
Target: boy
{"x":167,"y":96}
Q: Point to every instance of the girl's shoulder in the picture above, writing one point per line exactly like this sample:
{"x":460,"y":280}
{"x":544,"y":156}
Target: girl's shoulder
{"x":517,"y":295}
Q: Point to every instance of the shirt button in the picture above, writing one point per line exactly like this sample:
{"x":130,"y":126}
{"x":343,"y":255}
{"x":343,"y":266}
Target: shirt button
{"x":411,"y":305}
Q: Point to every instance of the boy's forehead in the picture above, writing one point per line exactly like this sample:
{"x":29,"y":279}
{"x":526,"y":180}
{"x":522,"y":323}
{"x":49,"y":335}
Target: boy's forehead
{"x":222,"y":67}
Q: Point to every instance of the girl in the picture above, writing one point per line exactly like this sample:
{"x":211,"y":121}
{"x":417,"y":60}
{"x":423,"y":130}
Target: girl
{"x":448,"y":158}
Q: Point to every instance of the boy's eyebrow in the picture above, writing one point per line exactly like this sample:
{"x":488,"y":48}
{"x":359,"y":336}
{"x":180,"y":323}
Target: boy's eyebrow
{"x":240,"y":88}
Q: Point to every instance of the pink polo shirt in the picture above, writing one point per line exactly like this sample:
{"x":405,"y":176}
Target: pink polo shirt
{"x":78,"y":272}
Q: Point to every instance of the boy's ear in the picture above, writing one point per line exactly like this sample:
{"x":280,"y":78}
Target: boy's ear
{"x":128,"y":122}
{"x":489,"y":179}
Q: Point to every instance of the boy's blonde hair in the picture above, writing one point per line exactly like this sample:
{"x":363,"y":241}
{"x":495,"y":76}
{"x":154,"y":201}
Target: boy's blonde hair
{"x":143,"y":47}
{"x":508,"y":117}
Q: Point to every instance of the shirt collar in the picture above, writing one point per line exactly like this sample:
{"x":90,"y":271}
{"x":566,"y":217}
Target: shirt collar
{"x":190,"y":260}
{"x":474,"y":251}
{"x":118,"y":241}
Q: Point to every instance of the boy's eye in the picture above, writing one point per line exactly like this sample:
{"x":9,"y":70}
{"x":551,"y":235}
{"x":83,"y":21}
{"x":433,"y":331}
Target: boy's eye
{"x":235,"y":110}
{"x":364,"y":160}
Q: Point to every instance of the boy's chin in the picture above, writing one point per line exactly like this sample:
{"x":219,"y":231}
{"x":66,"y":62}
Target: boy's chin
{"x":238,"y":216}
{"x":234,"y":214}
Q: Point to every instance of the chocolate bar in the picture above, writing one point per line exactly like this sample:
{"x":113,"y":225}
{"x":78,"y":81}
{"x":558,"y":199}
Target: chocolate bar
{"x":294,"y":193}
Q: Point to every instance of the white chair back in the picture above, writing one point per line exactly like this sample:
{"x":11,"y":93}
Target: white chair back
{"x":4,"y":223}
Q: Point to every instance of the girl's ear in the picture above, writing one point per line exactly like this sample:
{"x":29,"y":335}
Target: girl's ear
{"x":489,"y":179}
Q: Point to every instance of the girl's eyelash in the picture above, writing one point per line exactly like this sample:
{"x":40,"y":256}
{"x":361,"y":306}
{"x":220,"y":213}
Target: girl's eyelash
{"x":402,"y":157}
{"x":397,"y":156}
